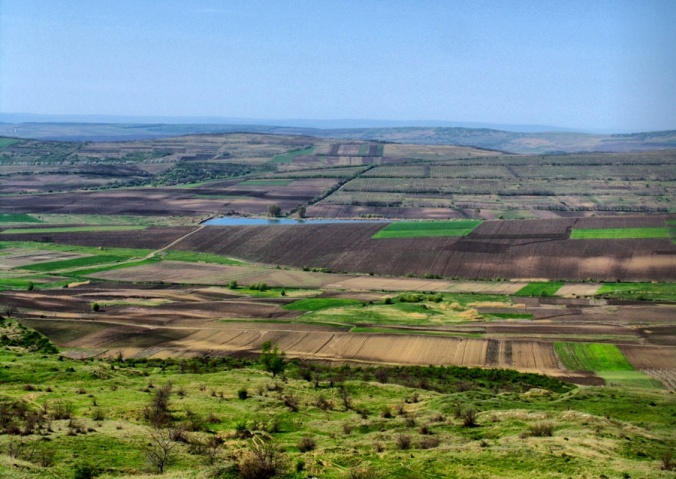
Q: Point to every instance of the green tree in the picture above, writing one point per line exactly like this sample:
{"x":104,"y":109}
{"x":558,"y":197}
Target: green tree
{"x":272,"y":359}
{"x":301,"y":212}
{"x":274,"y":210}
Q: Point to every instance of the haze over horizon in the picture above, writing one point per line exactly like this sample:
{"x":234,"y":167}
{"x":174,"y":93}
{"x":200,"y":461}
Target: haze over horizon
{"x":591,"y":66}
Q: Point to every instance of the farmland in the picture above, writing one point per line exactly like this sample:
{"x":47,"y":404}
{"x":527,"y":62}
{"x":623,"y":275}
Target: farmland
{"x":425,"y":229}
{"x":103,"y":251}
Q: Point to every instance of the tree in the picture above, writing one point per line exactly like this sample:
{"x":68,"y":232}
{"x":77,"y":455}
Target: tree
{"x":301,"y":212}
{"x":274,"y":210}
{"x":273,"y":361}
{"x":159,"y":451}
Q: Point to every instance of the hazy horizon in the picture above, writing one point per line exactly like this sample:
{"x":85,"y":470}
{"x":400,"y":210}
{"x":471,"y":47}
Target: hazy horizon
{"x":584,"y":66}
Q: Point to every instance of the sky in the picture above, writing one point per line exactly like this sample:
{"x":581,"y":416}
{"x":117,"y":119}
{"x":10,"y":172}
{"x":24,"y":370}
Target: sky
{"x":594,"y":65}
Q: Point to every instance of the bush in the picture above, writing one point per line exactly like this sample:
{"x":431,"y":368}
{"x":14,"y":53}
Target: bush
{"x":233,"y":284}
{"x":262,"y":461}
{"x":469,"y":417}
{"x":362,"y":473}
{"x":542,"y":429}
{"x":85,"y":471}
{"x":403,"y":442}
{"x":307,"y":444}
{"x":243,"y":394}
{"x":95,"y":307}
{"x":429,"y":442}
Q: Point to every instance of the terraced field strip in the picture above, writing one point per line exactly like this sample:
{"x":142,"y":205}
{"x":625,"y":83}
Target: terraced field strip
{"x":425,"y":229}
{"x":540,"y":289}
{"x":317,"y":304}
{"x":74,"y":263}
{"x":290,"y":156}
{"x":639,"y":291}
{"x":581,"y":289}
{"x":619,"y":233}
{"x":73,"y":229}
{"x":606,"y":360}
{"x":19,"y":218}
{"x":266,"y":183}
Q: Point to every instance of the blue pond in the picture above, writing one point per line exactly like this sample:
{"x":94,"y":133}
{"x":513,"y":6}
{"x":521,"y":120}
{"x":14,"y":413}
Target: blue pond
{"x":238,"y":221}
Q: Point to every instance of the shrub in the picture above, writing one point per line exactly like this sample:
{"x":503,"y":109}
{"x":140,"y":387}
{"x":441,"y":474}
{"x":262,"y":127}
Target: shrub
{"x":541,"y":429}
{"x":95,"y":306}
{"x":307,"y":444}
{"x":362,"y":473}
{"x":668,"y":461}
{"x":262,"y":461}
{"x":292,"y":402}
{"x":85,"y":471}
{"x":403,"y":442}
{"x":233,"y":284}
{"x":429,"y":442}
{"x":243,"y":394}
{"x":469,"y":417}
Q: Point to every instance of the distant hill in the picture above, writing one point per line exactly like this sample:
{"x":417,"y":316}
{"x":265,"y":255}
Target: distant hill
{"x":502,"y":140}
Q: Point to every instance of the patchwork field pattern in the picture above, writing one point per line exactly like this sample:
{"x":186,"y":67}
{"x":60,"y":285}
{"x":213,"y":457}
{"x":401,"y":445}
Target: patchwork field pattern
{"x":495,"y":249}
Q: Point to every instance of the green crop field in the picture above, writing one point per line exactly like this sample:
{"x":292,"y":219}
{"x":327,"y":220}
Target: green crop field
{"x":195,"y":257}
{"x":619,"y":233}
{"x":73,"y":263}
{"x":422,"y":229}
{"x":289,"y":157}
{"x":18,"y":218}
{"x":639,"y":291}
{"x":8,"y":142}
{"x":317,"y":304}
{"x":592,"y":357}
{"x":72,"y":229}
{"x":606,"y":360}
{"x":540,"y":289}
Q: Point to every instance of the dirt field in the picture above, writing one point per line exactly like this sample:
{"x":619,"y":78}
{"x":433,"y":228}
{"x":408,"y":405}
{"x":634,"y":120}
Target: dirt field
{"x":495,"y":249}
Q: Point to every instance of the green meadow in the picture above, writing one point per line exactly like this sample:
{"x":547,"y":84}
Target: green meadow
{"x":421,"y":229}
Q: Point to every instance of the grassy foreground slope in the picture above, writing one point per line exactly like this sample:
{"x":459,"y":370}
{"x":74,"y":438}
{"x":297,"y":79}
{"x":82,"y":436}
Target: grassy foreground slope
{"x":61,"y":417}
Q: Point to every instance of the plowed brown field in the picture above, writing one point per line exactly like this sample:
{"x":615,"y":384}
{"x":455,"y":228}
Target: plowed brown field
{"x":505,"y":249}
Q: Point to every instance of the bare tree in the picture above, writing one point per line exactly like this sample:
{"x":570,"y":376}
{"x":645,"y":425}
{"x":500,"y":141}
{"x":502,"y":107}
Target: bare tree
{"x":159,"y":450}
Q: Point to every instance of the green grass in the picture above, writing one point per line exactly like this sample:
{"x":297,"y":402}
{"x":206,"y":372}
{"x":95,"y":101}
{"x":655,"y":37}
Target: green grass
{"x":73,"y":263}
{"x":194,"y":257}
{"x":423,"y":229}
{"x":540,"y":289}
{"x":18,"y":218}
{"x":592,"y":357}
{"x":72,"y":229}
{"x":639,"y":291}
{"x":266,"y":183}
{"x":290,"y":156}
{"x":8,"y":142}
{"x":606,"y":360}
{"x":318,"y":304}
{"x":631,"y":428}
{"x":619,"y":233}
{"x":15,"y":283}
{"x":363,"y":149}
{"x":130,"y":252}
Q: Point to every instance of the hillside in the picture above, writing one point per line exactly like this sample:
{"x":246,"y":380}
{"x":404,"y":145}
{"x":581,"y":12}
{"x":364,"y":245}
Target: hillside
{"x":506,"y":141}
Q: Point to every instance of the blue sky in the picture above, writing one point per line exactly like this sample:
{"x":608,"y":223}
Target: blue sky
{"x":581,"y":64}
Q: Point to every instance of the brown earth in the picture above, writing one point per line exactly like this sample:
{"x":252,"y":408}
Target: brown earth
{"x":495,"y":249}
